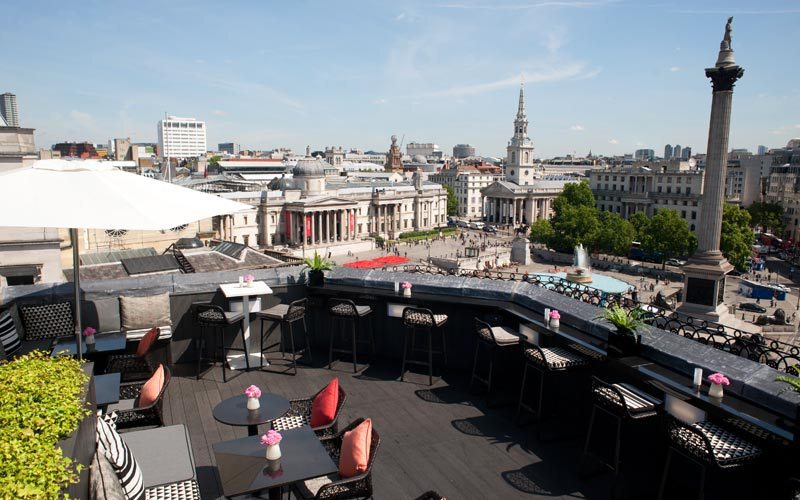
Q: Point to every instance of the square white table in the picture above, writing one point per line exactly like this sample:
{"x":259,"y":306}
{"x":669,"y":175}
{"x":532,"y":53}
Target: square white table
{"x":234,"y":290}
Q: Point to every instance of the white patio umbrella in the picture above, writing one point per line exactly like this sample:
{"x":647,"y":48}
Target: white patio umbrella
{"x":88,"y":194}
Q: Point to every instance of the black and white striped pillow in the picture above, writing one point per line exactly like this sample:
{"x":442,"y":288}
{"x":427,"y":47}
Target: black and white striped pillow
{"x":122,"y":460}
{"x":9,"y":336}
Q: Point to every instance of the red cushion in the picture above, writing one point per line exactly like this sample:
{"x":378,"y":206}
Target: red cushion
{"x":354,"y":455}
{"x":152,"y":388}
{"x":323,"y":408}
{"x":147,"y":341}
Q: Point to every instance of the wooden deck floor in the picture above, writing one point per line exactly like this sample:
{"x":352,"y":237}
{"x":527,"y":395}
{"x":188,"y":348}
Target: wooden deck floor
{"x":441,"y":438}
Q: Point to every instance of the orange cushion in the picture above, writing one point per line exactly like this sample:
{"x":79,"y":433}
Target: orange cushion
{"x":152,"y":388}
{"x":323,"y":408}
{"x":354,"y":455}
{"x":147,"y":341}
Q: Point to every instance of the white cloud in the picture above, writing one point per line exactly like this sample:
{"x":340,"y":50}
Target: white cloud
{"x":555,"y":39}
{"x":535,"y":5}
{"x":218,"y":112}
{"x":576,"y":128}
{"x":797,"y":126}
{"x":553,"y":74}
{"x":379,"y":101}
{"x":675,"y":69}
{"x":400,"y":16}
{"x":81,"y":118}
{"x":613,"y":141}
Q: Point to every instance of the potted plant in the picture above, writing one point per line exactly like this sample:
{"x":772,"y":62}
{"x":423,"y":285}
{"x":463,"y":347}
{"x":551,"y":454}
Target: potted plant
{"x":317,"y":265}
{"x":625,"y":341}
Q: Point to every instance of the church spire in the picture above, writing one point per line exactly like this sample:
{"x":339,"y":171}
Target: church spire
{"x":521,"y":109}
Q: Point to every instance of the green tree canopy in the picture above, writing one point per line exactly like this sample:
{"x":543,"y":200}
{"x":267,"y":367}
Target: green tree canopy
{"x":615,"y":234}
{"x":639,"y":221}
{"x":542,"y":232}
{"x":452,"y":201}
{"x":668,"y":235}
{"x":574,"y":225}
{"x":737,"y":236}
{"x":214,"y":161}
{"x":767,"y":215}
{"x":574,"y":194}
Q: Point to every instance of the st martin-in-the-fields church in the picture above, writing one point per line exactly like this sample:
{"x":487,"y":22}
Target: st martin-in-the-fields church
{"x":525,"y":196}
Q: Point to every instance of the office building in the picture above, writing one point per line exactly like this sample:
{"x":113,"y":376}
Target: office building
{"x":425,"y":149}
{"x":181,"y":138}
{"x":467,"y":182}
{"x":8,"y":110}
{"x":668,"y":152}
{"x":677,"y":151}
{"x":228,"y":147}
{"x":82,"y":150}
{"x":644,"y":154}
{"x":762,"y":150}
{"x":461,"y":151}
{"x":686,"y":153}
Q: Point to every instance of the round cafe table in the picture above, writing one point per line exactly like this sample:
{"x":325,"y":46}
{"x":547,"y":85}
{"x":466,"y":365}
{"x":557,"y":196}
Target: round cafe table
{"x":233,"y":411}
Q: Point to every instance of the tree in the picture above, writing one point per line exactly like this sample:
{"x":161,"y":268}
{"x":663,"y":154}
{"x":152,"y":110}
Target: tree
{"x":639,"y":221}
{"x":767,"y":215}
{"x":615,"y":234}
{"x":737,"y":236}
{"x":574,"y":194}
{"x":214,"y":161}
{"x":574,"y":225}
{"x":452,"y":201}
{"x":541,"y":232}
{"x":667,"y":235}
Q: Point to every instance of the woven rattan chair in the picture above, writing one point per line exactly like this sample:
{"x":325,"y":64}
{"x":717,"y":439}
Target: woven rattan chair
{"x":346,"y":312}
{"x":131,"y":415}
{"x":334,"y":487}
{"x":422,"y":321}
{"x":706,"y":444}
{"x":208,"y":315}
{"x":135,"y":366}
{"x":284,"y":315}
{"x":491,"y":340}
{"x":300,"y":414}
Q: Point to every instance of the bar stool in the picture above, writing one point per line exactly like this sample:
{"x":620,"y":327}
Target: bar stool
{"x":208,"y":315}
{"x":622,"y":402}
{"x":345,"y":311}
{"x":706,"y":444}
{"x":420,"y":320}
{"x":545,"y":361}
{"x":490,"y":339}
{"x":284,"y":315}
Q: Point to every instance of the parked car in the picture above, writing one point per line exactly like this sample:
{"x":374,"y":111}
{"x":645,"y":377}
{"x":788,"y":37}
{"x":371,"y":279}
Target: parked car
{"x":489,"y":229}
{"x":675,"y":262}
{"x":476,"y":225}
{"x":462,"y":223}
{"x":752,"y":306}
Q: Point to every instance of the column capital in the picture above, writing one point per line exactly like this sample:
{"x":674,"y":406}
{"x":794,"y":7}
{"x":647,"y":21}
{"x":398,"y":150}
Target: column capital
{"x":723,"y":79}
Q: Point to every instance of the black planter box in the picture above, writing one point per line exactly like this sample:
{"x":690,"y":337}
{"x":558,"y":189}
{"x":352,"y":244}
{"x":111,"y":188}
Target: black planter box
{"x":316,"y":278}
{"x":621,"y":345}
{"x":80,"y":445}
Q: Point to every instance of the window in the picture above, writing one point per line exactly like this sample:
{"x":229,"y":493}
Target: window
{"x":527,"y":172}
{"x":678,"y":180}
{"x":678,"y":190}
{"x":669,"y":189}
{"x":683,"y":214}
{"x":694,"y":215}
{"x":688,"y":189}
{"x":692,"y":227}
{"x":513,"y":160}
{"x":669,"y":180}
{"x":659,"y":189}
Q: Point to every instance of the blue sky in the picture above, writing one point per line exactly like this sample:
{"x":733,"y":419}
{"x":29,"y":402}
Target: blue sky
{"x":610,"y":76}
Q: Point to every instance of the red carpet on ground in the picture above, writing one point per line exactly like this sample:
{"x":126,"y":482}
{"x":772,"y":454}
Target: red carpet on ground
{"x":389,"y":260}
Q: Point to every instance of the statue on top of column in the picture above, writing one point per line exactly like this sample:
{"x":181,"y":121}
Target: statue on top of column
{"x":726,"y":39}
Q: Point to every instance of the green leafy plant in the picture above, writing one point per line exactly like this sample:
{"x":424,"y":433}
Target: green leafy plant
{"x":41,"y":403}
{"x":793,"y":382}
{"x":318,"y":263}
{"x":626,"y":322}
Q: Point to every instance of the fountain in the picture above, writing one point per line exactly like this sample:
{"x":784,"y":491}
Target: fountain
{"x":582,"y":272}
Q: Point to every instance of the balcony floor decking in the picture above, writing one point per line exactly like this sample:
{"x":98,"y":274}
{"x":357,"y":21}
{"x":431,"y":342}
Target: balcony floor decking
{"x":440,"y":438}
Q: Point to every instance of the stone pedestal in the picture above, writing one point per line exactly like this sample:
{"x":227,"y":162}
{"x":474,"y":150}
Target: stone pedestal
{"x":521,"y":251}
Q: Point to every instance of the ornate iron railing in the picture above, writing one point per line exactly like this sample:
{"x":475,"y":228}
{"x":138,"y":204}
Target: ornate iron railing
{"x":780,"y":355}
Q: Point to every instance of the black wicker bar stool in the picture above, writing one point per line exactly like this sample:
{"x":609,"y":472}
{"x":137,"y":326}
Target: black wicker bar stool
{"x":345,"y":312}
{"x":491,"y":339}
{"x":707,"y":445}
{"x":422,"y":321}
{"x":218,"y":320}
{"x":284,"y":315}
{"x":546,"y":361}
{"x":624,"y":403}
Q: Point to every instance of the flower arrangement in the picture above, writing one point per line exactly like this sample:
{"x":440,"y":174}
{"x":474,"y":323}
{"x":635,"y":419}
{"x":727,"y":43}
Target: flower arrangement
{"x":405,"y":285}
{"x":248,"y":278}
{"x":271,"y":438}
{"x":89,"y":331}
{"x":555,"y":314}
{"x":252,"y":392}
{"x":718,"y":378}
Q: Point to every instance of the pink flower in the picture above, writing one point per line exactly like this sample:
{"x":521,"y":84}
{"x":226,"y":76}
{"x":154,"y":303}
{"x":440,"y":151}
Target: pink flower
{"x":718,"y":378}
{"x":271,"y":438}
{"x":249,"y":278}
{"x":405,"y":284}
{"x":252,"y":392}
{"x":555,"y":314}
{"x":89,"y":331}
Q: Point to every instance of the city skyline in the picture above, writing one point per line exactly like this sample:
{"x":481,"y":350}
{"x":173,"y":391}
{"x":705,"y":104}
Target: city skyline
{"x":353,"y":75}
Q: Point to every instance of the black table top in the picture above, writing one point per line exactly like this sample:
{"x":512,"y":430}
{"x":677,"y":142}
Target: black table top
{"x":243,"y":467}
{"x":233,"y":411}
{"x":103,"y":343}
{"x":106,"y":388}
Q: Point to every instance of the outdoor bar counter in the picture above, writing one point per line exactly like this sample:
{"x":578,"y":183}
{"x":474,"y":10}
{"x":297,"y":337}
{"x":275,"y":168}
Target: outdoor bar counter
{"x":666,"y":361}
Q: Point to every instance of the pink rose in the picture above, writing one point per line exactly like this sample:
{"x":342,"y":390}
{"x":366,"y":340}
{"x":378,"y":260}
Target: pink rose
{"x":271,"y":438}
{"x":252,"y":392}
{"x":249,"y":278}
{"x":718,"y":378}
{"x":405,"y":285}
{"x":555,"y":314}
{"x":89,"y":331}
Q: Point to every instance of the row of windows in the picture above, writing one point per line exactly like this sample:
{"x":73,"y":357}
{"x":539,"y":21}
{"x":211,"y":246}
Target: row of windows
{"x":618,"y":209}
{"x":183,"y":125}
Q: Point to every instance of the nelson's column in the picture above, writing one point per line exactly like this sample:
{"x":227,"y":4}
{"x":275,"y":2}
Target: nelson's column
{"x":704,"y":285}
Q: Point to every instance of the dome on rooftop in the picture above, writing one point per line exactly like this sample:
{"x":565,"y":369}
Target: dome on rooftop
{"x":310,"y":167}
{"x":419,"y":159}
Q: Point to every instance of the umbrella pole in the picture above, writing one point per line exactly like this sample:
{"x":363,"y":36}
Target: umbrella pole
{"x":76,"y":283}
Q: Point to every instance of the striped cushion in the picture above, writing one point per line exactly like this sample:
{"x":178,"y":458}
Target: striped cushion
{"x":8,"y":334}
{"x":290,"y":422}
{"x":121,"y":458}
{"x":555,"y":357}
{"x":635,"y":400}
